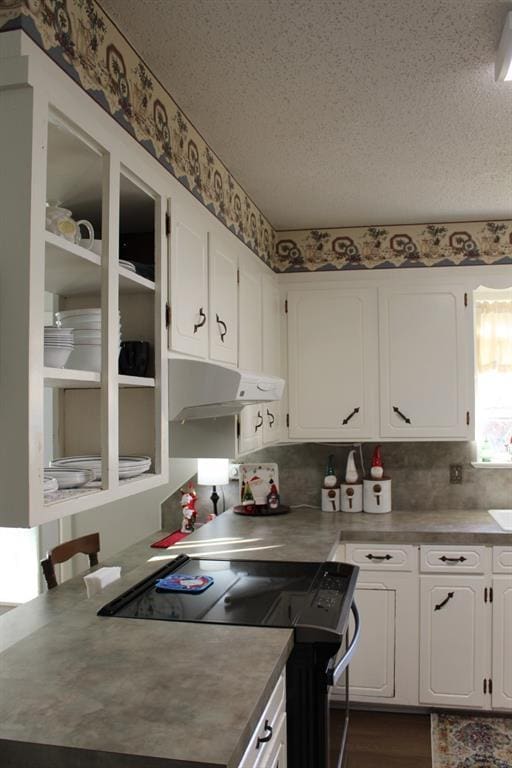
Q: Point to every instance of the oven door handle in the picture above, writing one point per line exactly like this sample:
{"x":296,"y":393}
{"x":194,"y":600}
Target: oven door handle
{"x":334,"y":671}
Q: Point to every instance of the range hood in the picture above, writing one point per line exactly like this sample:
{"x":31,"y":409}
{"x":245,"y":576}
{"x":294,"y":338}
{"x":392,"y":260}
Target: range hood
{"x":200,"y":390}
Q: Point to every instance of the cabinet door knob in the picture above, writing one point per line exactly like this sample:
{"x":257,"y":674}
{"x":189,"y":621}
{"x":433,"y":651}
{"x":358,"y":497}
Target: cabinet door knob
{"x":350,"y":416}
{"x":271,"y":418}
{"x":264,"y":739}
{"x":260,"y":423}
{"x":223,"y":324}
{"x":202,"y":321}
{"x":402,"y":415}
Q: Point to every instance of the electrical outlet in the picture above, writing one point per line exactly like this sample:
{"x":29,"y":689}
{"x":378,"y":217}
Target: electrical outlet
{"x":456,"y":473}
{"x":233,"y":471}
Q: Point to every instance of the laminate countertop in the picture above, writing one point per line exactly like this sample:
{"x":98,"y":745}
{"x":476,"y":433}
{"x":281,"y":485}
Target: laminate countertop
{"x":77,"y":690}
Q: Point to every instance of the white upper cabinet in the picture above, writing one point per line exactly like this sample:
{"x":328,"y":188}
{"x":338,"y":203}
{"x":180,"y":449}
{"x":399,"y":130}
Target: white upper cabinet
{"x":249,"y":313}
{"x":424,"y":338}
{"x":84,"y":225}
{"x":271,"y":308}
{"x":223,"y":292}
{"x":332,"y":359}
{"x":188,"y":277}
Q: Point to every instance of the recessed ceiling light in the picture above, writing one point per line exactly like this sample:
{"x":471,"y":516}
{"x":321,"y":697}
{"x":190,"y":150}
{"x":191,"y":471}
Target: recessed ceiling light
{"x":503,"y":69}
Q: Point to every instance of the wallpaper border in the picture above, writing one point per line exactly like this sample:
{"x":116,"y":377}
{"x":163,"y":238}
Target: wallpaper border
{"x":454,"y":244}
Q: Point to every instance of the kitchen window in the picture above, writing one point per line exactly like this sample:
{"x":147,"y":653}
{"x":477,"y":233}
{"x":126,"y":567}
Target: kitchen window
{"x":493,"y":363}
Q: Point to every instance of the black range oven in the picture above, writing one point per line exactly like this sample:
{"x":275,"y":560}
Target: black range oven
{"x":314,"y":599}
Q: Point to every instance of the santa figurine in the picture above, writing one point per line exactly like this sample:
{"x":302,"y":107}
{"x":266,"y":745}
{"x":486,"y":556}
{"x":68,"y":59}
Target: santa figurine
{"x":377,"y":470}
{"x":188,"y":508}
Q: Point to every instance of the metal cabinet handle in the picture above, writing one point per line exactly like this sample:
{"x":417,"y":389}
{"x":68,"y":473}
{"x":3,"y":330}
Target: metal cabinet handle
{"x":202,"y":322}
{"x":221,"y":322}
{"x":379,"y":557}
{"x":271,"y":416}
{"x":350,"y":416}
{"x":446,"y":600}
{"x":445,"y":559}
{"x":260,"y":424}
{"x":265,"y":739}
{"x":402,"y":415}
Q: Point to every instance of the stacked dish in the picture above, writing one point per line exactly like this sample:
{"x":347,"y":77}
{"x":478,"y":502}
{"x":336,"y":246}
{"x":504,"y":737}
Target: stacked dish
{"x":129,"y":466}
{"x":67,"y":477}
{"x":86,"y":354}
{"x":50,"y":484}
{"x":58,"y":345}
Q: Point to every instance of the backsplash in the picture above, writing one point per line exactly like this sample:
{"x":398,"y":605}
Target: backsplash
{"x":419,"y":471}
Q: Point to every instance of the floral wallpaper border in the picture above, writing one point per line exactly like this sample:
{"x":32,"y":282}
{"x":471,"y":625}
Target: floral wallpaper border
{"x":86,"y":44}
{"x":419,"y":245}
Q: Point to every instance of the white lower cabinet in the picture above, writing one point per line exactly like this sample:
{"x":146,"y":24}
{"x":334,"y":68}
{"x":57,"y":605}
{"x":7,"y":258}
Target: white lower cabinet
{"x":385,"y":666}
{"x":502,"y":641}
{"x":454,"y":640}
{"x":438,"y":636}
{"x":267,"y":745}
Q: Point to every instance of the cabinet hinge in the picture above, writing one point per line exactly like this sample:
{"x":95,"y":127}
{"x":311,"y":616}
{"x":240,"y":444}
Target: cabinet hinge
{"x":485,"y":685}
{"x":167,"y":224}
{"x":468,"y":418}
{"x":286,"y":306}
{"x":167,"y":315}
{"x":465,"y":299}
{"x":489,"y":687}
{"x":287,"y":419}
{"x":238,"y":427}
{"x":491,"y":595}
{"x":485,"y":595}
{"x":238,"y":277}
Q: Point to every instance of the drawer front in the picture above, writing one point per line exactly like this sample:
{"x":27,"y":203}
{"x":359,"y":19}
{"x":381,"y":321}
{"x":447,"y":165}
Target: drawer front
{"x":380,"y":557}
{"x":502,"y":559}
{"x":453,"y":559}
{"x":263,"y":739}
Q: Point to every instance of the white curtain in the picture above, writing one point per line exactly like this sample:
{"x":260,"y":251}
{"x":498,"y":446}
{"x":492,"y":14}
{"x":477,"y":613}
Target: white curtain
{"x":494,"y":336}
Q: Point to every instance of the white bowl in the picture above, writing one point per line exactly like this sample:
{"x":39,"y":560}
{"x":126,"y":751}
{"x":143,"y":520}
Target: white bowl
{"x":85,"y":357}
{"x":57,"y":357}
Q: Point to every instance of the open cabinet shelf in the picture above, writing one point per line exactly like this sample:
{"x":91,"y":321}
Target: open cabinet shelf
{"x":64,"y":378}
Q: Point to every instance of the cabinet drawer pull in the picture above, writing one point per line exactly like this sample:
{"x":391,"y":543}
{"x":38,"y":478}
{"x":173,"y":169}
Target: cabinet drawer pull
{"x":260,"y":423}
{"x":379,"y":557}
{"x":271,"y":418}
{"x":222,"y":333}
{"x":446,"y":600}
{"x":264,"y":739}
{"x":350,"y":416}
{"x":460,"y":559}
{"x":402,"y":415}
{"x":202,"y":322}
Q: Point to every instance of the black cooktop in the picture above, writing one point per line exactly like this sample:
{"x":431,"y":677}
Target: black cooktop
{"x":315,"y":597}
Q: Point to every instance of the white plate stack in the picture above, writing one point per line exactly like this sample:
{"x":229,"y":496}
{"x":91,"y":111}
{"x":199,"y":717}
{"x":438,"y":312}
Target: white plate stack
{"x":86,"y":354}
{"x":67,"y":477}
{"x":129,"y":466}
{"x":58,"y":345}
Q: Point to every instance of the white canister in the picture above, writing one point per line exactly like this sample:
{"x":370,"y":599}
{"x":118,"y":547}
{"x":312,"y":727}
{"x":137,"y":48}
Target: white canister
{"x":330,"y":499}
{"x":351,"y":497}
{"x":377,"y":495}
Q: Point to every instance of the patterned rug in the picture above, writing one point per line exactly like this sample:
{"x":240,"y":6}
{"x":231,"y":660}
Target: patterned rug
{"x":471,"y":741}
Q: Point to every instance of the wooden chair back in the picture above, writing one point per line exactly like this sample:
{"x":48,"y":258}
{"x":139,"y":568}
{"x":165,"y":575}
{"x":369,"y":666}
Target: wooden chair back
{"x":87,"y":545}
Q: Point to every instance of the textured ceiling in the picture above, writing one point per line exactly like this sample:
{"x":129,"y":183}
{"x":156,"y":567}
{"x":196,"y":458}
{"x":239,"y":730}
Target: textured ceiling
{"x":341,"y":112}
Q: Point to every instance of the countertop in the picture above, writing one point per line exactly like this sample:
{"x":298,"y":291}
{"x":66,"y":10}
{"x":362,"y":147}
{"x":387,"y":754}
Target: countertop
{"x":147,"y":694}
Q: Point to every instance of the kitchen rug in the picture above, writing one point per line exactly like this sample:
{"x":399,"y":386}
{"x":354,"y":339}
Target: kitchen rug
{"x":471,"y":741}
{"x":169,"y":540}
